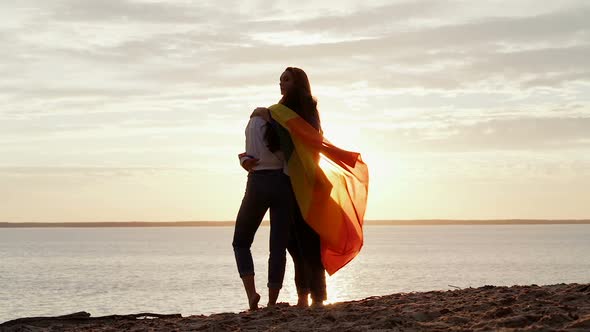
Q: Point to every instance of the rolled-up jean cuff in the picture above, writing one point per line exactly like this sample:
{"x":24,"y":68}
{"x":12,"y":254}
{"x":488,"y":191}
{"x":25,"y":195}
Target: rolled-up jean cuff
{"x":275,"y":285}
{"x":245,"y":274}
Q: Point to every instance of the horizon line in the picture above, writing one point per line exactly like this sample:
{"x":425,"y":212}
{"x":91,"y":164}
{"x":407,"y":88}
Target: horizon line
{"x":376,"y":222}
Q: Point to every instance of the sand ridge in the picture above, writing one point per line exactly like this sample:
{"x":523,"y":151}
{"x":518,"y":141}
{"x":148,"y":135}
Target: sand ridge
{"x":561,"y":307}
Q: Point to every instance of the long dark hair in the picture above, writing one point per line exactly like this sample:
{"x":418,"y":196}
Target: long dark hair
{"x":301,"y":101}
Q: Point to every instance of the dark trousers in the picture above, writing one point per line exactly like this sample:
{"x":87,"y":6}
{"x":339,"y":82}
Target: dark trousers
{"x":266,"y":189}
{"x":304,"y":247}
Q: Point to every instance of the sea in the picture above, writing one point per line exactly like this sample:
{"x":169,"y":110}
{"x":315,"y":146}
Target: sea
{"x":192,"y":271}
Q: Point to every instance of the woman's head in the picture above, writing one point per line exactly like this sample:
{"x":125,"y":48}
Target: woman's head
{"x":294,"y":82}
{"x":296,"y":92}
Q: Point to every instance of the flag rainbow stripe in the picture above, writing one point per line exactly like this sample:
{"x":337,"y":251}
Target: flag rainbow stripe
{"x":331,"y":187}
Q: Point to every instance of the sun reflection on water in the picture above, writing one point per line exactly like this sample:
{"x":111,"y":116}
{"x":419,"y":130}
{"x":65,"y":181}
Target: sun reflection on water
{"x":337,"y":289}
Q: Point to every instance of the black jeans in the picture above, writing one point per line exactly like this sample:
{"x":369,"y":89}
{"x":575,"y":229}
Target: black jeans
{"x":265,"y":189}
{"x":304,"y":247}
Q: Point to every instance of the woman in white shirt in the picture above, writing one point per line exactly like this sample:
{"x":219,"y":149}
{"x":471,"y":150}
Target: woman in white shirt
{"x":268,"y":187}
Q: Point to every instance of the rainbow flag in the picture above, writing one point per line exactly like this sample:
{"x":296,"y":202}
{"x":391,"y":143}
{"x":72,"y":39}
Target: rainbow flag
{"x":330,"y":186}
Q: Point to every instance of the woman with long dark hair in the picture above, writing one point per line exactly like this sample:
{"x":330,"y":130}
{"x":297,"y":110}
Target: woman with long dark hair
{"x":304,"y":245}
{"x":304,"y":242}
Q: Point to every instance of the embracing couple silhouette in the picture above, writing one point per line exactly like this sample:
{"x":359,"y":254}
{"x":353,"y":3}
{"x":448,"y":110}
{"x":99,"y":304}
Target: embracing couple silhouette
{"x":316,"y":194}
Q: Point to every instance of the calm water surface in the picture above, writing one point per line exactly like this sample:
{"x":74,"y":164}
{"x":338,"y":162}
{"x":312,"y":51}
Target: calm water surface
{"x":191,"y":270}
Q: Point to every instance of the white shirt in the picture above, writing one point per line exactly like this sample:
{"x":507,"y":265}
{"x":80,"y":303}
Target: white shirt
{"x":256,"y":147}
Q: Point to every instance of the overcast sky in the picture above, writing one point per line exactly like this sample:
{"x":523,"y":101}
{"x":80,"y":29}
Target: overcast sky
{"x":135,"y":110}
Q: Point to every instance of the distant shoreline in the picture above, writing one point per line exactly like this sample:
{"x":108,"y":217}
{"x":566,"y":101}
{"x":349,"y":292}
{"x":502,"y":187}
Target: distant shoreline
{"x":422,"y":222}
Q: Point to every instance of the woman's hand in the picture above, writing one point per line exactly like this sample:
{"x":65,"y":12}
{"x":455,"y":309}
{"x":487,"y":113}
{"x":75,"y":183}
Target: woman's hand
{"x":262,"y":112}
{"x":248,"y":164}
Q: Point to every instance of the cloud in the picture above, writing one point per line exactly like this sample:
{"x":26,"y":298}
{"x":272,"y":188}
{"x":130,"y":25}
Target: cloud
{"x":516,"y":134}
{"x":82,"y":171}
{"x":97,"y":65}
{"x":218,"y":47}
{"x":129,"y":11}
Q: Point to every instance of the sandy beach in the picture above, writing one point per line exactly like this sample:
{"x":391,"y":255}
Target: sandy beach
{"x":562,"y":307}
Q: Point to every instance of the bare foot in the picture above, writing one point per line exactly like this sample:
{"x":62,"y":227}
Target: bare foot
{"x":302,"y":305}
{"x":253,"y":302}
{"x":302,"y":301}
{"x":273,"y":295}
{"x":317,"y":304}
